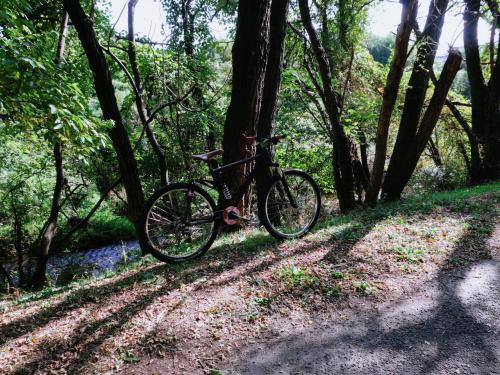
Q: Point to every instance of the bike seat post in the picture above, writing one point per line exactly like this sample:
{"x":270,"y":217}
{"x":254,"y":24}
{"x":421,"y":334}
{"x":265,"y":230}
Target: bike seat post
{"x":212,"y":164}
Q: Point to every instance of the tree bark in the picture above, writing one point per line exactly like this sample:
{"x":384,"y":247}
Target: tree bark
{"x":415,"y":95}
{"x":61,"y":43}
{"x":106,"y":94}
{"x":342,"y":162}
{"x":485,"y":96}
{"x":390,"y":95}
{"x":39,"y":277}
{"x":474,"y":162}
{"x":250,"y":55}
{"x":409,"y":160}
{"x":272,"y":82}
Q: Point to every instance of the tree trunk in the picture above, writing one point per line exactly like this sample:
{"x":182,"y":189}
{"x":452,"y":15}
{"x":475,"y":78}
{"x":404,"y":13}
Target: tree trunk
{"x":342,"y":162}
{"x":474,"y":162}
{"x":61,"y":43}
{"x":409,"y":160}
{"x":279,"y":11}
{"x":18,"y":242}
{"x":389,"y":98}
{"x":363,"y":149}
{"x":434,"y":153}
{"x":106,"y":94}
{"x":250,"y":55}
{"x":485,"y":97}
{"x":415,"y":96}
{"x":39,"y":277}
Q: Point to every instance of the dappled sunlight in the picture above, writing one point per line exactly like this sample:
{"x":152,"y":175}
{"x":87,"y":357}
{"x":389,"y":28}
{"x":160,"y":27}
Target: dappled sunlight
{"x":248,"y":284}
{"x":478,"y":291}
{"x":448,"y":321}
{"x":406,"y":312}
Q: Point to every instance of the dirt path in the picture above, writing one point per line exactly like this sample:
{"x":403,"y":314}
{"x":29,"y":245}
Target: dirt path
{"x":452,"y":326}
{"x":410,"y":288}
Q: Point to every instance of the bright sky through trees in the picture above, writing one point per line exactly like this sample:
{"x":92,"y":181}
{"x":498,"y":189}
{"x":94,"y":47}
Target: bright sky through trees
{"x":384,"y":18}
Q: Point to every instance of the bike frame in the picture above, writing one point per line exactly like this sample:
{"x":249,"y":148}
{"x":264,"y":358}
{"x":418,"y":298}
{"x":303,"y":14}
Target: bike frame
{"x":217,"y":183}
{"x":217,"y":171}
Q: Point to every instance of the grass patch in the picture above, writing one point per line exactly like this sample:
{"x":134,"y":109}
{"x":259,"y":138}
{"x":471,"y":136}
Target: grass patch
{"x":409,"y":254}
{"x":363,"y":288}
{"x":337,"y":275}
{"x":293,"y":276}
{"x":333,"y":290}
{"x":104,"y":228}
{"x":264,"y":301}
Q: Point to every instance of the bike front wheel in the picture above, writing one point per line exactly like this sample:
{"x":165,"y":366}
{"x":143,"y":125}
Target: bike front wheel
{"x":291,"y":205}
{"x":179,"y":222}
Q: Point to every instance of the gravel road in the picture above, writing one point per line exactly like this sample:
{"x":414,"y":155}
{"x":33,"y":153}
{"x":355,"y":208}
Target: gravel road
{"x":451,"y":327}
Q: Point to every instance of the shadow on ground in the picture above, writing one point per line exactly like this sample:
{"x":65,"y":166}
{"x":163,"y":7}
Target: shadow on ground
{"x":460,"y":328}
{"x":452,"y":327}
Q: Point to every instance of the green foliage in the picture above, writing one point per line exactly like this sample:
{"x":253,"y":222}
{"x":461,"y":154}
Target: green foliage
{"x":105,"y":228}
{"x":295,"y":276}
{"x":409,"y":254}
{"x":264,"y":301}
{"x":380,"y":47}
{"x":337,"y":274}
{"x":72,"y":272}
{"x":362,"y":288}
{"x":42,"y":103}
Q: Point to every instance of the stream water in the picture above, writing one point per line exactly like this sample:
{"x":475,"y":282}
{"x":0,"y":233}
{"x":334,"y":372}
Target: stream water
{"x":92,"y":262}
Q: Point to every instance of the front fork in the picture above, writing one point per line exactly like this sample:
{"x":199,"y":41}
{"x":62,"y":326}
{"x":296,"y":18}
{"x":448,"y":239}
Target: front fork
{"x":288,"y":193}
{"x":187,"y":211}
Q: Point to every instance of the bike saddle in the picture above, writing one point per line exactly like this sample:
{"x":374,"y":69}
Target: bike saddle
{"x":207,"y":156}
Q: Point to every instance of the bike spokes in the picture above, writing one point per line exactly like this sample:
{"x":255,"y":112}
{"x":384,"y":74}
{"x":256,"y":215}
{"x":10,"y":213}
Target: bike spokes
{"x":179,"y":223}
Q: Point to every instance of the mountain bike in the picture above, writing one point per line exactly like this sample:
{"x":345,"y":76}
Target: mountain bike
{"x":181,"y":220}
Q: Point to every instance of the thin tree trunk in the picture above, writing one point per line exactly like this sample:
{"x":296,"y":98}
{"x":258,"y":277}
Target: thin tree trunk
{"x":434,"y":153}
{"x":492,"y":131}
{"x":84,"y":222}
{"x":39,"y":277}
{"x":389,"y":98}
{"x":415,"y":95}
{"x":463,"y":151}
{"x":279,"y":11}
{"x":474,"y":162}
{"x":18,"y":242}
{"x":106,"y":94}
{"x":363,"y":149}
{"x":7,"y":277}
{"x":342,"y":162}
{"x":61,"y":44}
{"x":188,"y":30}
{"x":250,"y":55}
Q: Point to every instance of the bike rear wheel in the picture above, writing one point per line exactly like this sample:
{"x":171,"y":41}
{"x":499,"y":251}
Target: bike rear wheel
{"x":277,"y":212}
{"x":179,"y":222}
